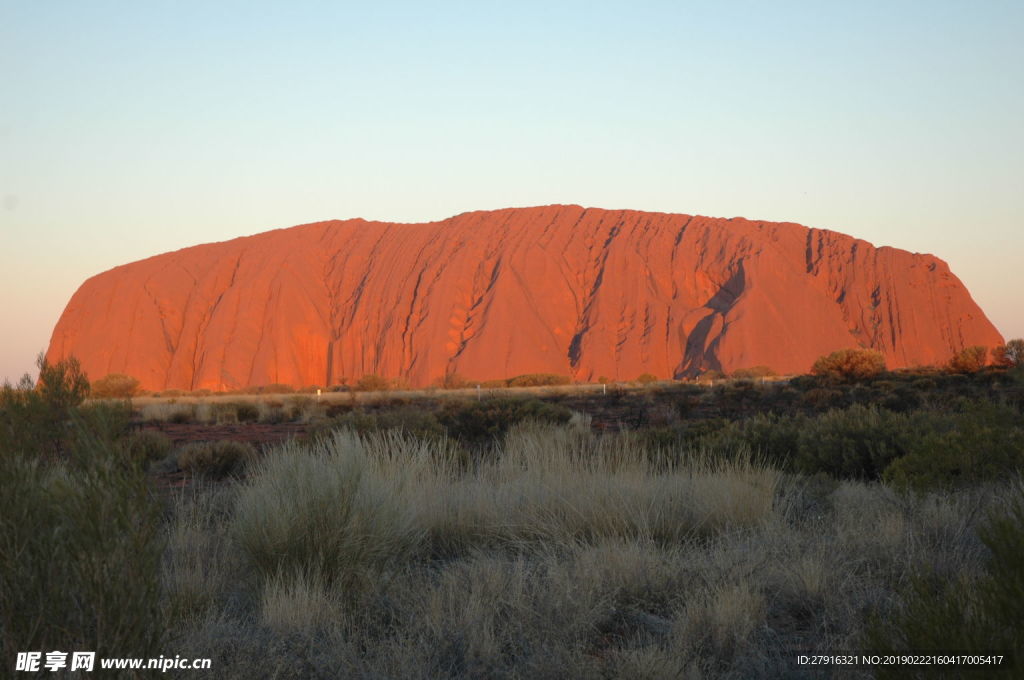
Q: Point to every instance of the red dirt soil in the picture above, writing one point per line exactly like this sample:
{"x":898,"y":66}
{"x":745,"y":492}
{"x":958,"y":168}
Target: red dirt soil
{"x":490,"y":295}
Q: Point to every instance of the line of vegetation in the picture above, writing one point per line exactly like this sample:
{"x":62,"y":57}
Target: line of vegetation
{"x":674,"y":531}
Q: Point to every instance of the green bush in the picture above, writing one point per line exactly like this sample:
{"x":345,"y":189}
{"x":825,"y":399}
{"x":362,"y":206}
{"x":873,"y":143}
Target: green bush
{"x":774,"y":437}
{"x":115,"y":386}
{"x":215,"y":459}
{"x":146,"y":446}
{"x":983,"y":617}
{"x":646,"y":378}
{"x":104,"y":421}
{"x":538,"y":380}
{"x":79,"y":554}
{"x":850,"y":364}
{"x":482,"y":421}
{"x":984,"y":441}
{"x":35,"y":417}
{"x":858,"y":442}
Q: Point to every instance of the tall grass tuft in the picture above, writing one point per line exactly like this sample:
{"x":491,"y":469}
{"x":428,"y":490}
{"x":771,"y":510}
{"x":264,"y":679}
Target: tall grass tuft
{"x":327,"y":512}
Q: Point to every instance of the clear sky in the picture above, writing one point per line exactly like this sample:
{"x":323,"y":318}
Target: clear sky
{"x":133,"y":128}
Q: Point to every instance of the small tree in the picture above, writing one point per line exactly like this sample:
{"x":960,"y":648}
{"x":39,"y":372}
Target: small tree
{"x":646,"y":378}
{"x":62,"y":385}
{"x":850,"y":364}
{"x":969,"y":359}
{"x":1009,"y":355}
{"x":115,"y":386}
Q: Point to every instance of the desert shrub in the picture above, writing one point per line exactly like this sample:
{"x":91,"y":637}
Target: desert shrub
{"x":246,"y":411}
{"x":399,"y":384}
{"x":493,"y":384}
{"x":850,"y":364}
{"x":107,"y":422}
{"x":62,"y":385}
{"x":145,"y":446}
{"x":323,"y":512}
{"x":984,"y":441}
{"x":27,"y":426}
{"x":215,"y":459}
{"x":983,"y":617}
{"x":115,"y":386}
{"x":739,"y":397}
{"x":35,"y":418}
{"x":1009,"y":355}
{"x":272,"y":411}
{"x":753,"y":372}
{"x":646,"y":378}
{"x":79,"y":554}
{"x":901,"y":398}
{"x":222,"y":413}
{"x":857,"y":442}
{"x":968,"y":360}
{"x":303,"y":409}
{"x":924,"y":384}
{"x":372,"y":383}
{"x":823,"y":398}
{"x":481,"y":421}
{"x":774,"y":438}
{"x":538,"y":380}
{"x":184,"y":413}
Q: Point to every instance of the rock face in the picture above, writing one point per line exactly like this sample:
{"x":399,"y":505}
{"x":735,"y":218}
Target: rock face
{"x":486,"y":295}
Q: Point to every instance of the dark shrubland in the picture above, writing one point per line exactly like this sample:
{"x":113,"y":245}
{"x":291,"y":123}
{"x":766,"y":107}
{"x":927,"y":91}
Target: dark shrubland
{"x":669,"y":530}
{"x":80,"y":535}
{"x":850,"y":364}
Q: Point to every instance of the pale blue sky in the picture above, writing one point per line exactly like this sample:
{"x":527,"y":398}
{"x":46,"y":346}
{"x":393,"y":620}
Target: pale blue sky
{"x":133,"y":128}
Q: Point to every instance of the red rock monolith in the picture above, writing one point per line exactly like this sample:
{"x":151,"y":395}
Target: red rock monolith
{"x":495,"y":294}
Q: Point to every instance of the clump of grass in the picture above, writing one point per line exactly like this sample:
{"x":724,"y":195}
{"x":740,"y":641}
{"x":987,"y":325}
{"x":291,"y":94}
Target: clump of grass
{"x":199,"y":566}
{"x":215,"y":459}
{"x":168,"y":412}
{"x":146,"y":446}
{"x":326,"y":512}
{"x":298,"y":602}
